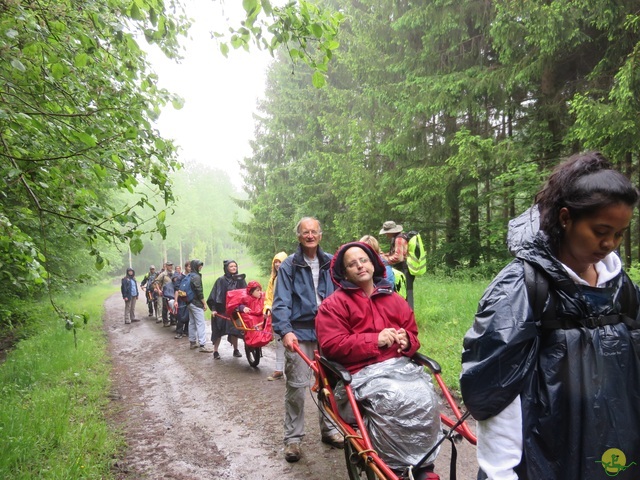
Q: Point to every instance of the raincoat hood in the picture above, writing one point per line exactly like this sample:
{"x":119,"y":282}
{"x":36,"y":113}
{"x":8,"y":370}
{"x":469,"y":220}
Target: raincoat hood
{"x":133,"y":272}
{"x":253,"y":284}
{"x":195,"y":264}
{"x":225,"y":266}
{"x":337,"y":265}
{"x":281,"y":256}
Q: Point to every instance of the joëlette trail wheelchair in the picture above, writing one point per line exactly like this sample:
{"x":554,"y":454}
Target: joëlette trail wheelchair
{"x":361,"y":458}
{"x":256,"y":334}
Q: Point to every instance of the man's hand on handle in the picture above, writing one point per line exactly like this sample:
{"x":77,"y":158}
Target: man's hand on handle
{"x":289,"y":340}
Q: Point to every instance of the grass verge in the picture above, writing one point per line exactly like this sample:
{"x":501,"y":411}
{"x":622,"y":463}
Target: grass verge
{"x":445,"y":309}
{"x":54,"y":397}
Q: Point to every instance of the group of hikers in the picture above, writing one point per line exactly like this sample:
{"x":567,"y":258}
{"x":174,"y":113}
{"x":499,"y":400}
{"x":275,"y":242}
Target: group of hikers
{"x":550,"y":366}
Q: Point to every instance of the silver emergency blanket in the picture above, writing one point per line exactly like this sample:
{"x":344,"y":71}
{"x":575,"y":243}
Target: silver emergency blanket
{"x":401,"y":410}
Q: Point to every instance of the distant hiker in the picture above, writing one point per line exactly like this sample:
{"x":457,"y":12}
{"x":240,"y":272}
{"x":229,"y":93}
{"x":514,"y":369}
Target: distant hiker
{"x":129,"y":289}
{"x":197,"y":307}
{"x":146,"y":285}
{"x":163,"y":285}
{"x":217,"y":302}
{"x":180,"y":306}
{"x":268,"y":301}
{"x":397,"y":256}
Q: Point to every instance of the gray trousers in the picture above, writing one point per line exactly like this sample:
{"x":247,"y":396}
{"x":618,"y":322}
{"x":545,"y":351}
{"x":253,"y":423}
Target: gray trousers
{"x":130,"y":309}
{"x":197,"y":327}
{"x":299,"y":378}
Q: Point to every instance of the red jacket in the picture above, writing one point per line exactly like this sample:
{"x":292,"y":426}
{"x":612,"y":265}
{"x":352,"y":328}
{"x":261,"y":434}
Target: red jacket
{"x":348,"y":324}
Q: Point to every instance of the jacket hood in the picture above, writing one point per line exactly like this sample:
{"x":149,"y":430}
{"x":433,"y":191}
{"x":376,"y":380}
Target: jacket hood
{"x":195,"y":264}
{"x":130,"y":270}
{"x":253,"y":284}
{"x":282,"y":256}
{"x":225,"y":266}
{"x":337,"y":264}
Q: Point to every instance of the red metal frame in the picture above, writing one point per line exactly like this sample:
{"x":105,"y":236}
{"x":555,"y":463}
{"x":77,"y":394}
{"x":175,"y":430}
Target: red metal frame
{"x":359,"y":438}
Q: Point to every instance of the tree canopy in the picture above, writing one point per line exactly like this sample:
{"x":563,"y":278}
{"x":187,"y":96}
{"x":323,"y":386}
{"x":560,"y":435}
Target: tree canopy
{"x":77,"y":105}
{"x":445,"y":117}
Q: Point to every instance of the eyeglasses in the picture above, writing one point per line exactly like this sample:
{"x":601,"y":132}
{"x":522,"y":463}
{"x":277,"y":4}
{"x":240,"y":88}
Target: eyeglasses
{"x":361,"y":261}
{"x":313,"y":233}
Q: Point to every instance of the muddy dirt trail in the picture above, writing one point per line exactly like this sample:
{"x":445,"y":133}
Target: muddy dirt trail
{"x":186,"y":416}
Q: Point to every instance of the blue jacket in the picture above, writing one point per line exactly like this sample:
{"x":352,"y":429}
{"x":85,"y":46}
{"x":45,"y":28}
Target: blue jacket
{"x":294,"y":302}
{"x":125,"y":287}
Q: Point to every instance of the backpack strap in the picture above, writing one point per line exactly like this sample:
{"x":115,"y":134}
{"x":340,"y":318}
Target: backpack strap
{"x":537,"y":286}
{"x":537,"y":291}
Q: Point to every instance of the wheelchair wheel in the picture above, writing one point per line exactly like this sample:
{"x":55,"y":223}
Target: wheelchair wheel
{"x":356,"y":465}
{"x":253,"y":355}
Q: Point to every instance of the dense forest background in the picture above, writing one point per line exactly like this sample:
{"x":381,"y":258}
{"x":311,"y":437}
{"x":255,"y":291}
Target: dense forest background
{"x":444,"y":116}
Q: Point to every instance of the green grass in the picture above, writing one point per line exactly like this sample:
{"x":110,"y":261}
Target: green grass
{"x":54,"y":397}
{"x":445,"y":310}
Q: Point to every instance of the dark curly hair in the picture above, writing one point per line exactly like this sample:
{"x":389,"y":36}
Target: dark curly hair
{"x":584,"y":184}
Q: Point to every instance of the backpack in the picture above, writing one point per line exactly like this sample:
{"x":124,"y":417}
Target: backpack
{"x":168,"y":290}
{"x":416,"y":255}
{"x":185,"y":291}
{"x":400,"y":283}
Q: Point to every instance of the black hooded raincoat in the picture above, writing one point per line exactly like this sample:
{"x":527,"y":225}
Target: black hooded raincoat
{"x":579,"y":383}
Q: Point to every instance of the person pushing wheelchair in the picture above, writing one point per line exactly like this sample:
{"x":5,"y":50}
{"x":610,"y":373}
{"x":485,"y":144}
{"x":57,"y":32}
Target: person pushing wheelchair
{"x":371,"y":330}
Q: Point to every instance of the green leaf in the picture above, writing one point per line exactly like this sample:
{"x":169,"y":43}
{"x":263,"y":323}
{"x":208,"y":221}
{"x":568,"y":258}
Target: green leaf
{"x":266,"y":6}
{"x":316,"y":29}
{"x":131,"y":133}
{"x":81,"y":60}
{"x":17,"y":64}
{"x":57,"y":70}
{"x":136,"y":245}
{"x":85,"y":138}
{"x":224,"y":49}
{"x":318,"y":79}
{"x":249,"y":6}
{"x":100,"y":171}
{"x":177,"y":102}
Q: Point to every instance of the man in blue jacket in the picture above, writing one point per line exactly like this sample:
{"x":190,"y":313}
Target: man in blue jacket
{"x":129,"y":290}
{"x":303,"y":283}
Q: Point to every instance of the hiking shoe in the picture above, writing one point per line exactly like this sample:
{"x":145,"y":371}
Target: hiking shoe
{"x":178,"y":336}
{"x":158,"y":320}
{"x":205,"y":349}
{"x":292,"y":452}
{"x":127,"y":322}
{"x":336,"y":440}
{"x":216,"y":356}
{"x":236,"y":353}
{"x":135,"y":319}
{"x":193,"y":345}
{"x":275,"y":376}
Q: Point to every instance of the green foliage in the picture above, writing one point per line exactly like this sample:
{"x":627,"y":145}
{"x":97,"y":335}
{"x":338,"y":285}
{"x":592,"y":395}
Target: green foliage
{"x":77,"y":102}
{"x":307,"y":30}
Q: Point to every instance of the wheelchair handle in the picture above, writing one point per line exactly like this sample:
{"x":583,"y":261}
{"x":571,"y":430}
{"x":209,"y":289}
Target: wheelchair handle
{"x":423,"y":360}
